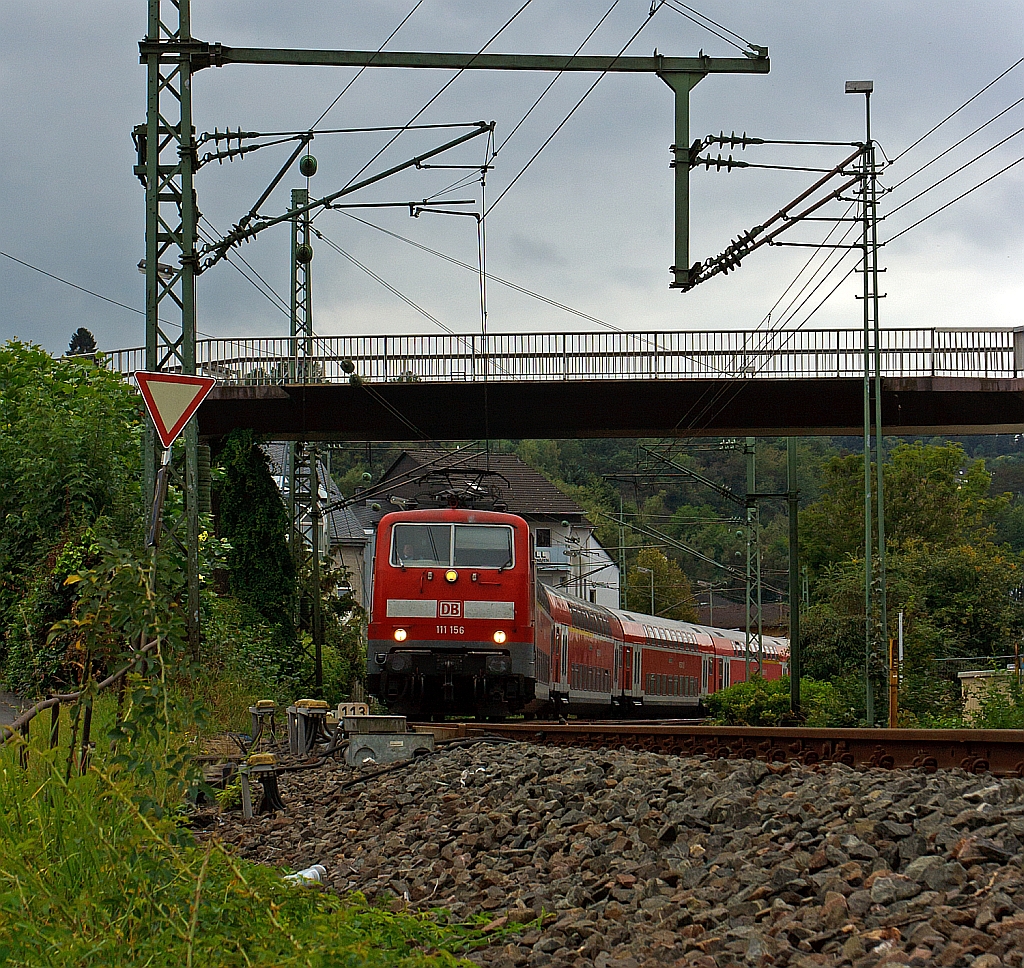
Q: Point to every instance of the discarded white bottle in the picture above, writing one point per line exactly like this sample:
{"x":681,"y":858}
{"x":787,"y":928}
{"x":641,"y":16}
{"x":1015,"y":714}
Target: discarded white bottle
{"x":307,"y":877}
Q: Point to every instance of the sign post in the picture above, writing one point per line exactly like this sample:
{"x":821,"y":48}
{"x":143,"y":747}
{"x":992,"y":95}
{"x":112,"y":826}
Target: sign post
{"x":171,"y":400}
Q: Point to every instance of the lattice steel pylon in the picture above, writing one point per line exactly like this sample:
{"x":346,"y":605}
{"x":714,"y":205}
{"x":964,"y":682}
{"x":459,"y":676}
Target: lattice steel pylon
{"x":300,"y":474}
{"x":166,"y":166}
{"x":167,"y":162}
{"x":303,"y":458}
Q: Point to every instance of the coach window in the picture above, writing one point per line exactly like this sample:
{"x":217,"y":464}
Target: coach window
{"x":482,"y":546}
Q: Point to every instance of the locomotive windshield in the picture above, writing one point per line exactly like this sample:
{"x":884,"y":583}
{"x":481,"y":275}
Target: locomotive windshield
{"x":446,"y":545}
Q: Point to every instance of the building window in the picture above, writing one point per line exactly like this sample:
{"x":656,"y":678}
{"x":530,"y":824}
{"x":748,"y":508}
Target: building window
{"x":593,"y":596}
{"x":543,"y":537}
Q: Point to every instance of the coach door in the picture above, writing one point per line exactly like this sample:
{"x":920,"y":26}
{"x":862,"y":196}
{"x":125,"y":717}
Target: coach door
{"x":707,"y":674}
{"x":562,"y":644}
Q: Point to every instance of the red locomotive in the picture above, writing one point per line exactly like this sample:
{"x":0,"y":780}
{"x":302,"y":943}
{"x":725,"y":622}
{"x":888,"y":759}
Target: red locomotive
{"x":459,"y":625}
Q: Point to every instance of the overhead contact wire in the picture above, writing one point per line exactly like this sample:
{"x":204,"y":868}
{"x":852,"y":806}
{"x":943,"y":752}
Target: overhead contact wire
{"x":490,"y":276}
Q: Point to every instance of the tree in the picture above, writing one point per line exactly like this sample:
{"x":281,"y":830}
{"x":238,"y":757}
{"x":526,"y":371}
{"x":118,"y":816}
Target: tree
{"x":957,"y":589}
{"x":253,"y":519}
{"x":70,"y":465}
{"x":83,"y":343}
{"x":673,"y":596}
{"x":933,"y":493}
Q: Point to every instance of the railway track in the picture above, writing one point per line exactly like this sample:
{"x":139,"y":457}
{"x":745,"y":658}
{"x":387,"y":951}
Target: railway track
{"x":996,"y":751}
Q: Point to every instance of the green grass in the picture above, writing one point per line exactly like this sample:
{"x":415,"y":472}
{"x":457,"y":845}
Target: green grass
{"x":87,"y":878}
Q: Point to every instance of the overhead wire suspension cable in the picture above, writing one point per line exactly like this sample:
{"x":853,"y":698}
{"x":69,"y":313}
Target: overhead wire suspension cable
{"x":704,"y":21}
{"x":92,"y":292}
{"x":263,"y":287}
{"x":344,"y":90}
{"x":703,"y":410}
{"x":948,"y":117}
{"x":952,"y":201}
{"x":74,"y":285}
{"x":554,"y":80}
{"x":946,"y":205}
{"x":387,"y":285}
{"x":444,"y":87}
{"x":956,"y":171}
{"x":955,"y":145}
{"x":572,"y":111}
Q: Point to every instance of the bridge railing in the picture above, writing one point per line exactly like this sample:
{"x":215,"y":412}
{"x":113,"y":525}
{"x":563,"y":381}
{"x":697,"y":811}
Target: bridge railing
{"x":989,"y":353}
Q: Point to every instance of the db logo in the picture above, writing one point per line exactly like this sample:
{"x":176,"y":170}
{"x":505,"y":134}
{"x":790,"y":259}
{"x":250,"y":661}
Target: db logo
{"x":450,"y":609}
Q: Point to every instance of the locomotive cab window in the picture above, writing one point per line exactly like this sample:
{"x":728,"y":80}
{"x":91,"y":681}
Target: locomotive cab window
{"x":442,"y":546}
{"x":482,"y":546}
{"x":421,"y":545}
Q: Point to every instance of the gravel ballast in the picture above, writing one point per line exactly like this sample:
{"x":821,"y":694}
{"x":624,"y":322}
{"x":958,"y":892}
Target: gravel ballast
{"x":640,"y":859}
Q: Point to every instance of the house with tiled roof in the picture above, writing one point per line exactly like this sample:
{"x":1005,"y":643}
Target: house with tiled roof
{"x":346,"y":532}
{"x":568,"y":555}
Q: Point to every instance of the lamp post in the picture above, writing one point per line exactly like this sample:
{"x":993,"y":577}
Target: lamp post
{"x":650,"y":571}
{"x":871,"y":328}
{"x":710,"y":586}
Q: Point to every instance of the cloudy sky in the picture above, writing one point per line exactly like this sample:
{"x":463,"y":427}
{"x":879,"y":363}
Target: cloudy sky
{"x":588,"y":225}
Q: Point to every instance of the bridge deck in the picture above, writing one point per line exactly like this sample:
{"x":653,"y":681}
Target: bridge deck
{"x":544,"y":357}
{"x":608,"y":384}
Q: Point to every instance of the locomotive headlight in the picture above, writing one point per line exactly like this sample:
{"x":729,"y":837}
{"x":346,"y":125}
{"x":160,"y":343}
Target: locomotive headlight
{"x":451,"y":575}
{"x":401,"y":635}
{"x":500,"y":637}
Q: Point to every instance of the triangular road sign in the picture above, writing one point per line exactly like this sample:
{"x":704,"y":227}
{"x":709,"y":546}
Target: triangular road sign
{"x":171,"y":399}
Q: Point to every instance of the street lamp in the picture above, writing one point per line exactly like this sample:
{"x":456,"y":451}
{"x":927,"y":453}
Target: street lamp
{"x":871,"y":327}
{"x":650,"y":571}
{"x":710,"y":586}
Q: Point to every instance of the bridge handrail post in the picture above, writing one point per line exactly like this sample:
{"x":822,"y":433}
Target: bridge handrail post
{"x":1018,"y":350}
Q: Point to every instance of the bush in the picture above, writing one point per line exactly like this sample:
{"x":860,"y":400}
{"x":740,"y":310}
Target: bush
{"x":1002,"y":705}
{"x":87,"y":877}
{"x":763,"y":702}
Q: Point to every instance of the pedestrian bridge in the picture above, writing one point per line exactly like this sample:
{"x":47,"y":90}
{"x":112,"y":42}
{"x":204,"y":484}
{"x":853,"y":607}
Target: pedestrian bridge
{"x":607,"y":384}
{"x":786,"y":354}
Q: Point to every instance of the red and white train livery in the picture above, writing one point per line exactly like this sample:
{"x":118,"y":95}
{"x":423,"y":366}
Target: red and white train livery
{"x":460,"y":625}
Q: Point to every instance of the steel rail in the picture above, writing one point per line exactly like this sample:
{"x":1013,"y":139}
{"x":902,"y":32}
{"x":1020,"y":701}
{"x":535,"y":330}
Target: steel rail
{"x":996,"y":751}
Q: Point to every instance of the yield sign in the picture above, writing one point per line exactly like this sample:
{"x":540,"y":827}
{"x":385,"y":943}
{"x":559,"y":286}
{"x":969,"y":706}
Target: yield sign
{"x":171,"y":399}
